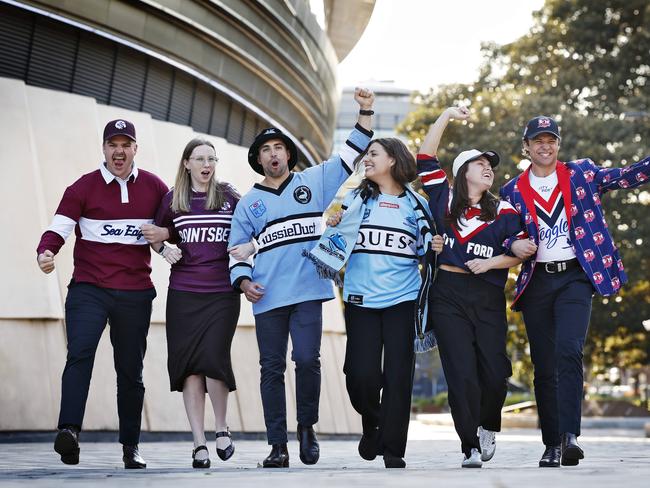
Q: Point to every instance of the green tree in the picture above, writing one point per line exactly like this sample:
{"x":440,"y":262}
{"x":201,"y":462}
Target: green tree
{"x":585,"y":63}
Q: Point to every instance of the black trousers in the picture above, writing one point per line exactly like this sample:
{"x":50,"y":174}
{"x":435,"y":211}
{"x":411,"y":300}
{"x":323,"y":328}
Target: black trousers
{"x":470,"y":325}
{"x":87,"y":309}
{"x":556,"y":309}
{"x":371,"y":332}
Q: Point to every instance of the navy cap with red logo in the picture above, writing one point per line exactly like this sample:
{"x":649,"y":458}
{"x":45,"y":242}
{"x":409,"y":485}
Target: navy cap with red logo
{"x":541,"y":125}
{"x":119,"y":127}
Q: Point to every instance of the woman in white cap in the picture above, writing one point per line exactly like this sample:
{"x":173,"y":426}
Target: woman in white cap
{"x":467,"y":297}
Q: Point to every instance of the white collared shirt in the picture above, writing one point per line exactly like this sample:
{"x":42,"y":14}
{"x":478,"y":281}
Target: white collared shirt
{"x":109,"y":177}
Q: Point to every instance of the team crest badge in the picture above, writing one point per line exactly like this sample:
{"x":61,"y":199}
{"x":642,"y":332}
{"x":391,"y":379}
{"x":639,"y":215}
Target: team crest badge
{"x":302,"y":194}
{"x":120,"y":124}
{"x":337,"y":242}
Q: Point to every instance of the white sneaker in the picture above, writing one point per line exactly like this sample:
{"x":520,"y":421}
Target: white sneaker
{"x":487,"y":440}
{"x":473,"y":461}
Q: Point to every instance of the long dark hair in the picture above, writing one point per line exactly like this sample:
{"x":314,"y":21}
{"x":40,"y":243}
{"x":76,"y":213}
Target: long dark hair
{"x":460,"y":202}
{"x":215,"y":196}
{"x":403,"y":171}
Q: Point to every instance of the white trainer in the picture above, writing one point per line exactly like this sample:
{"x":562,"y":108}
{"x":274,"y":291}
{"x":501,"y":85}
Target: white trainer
{"x":474,"y":459}
{"x":487,"y":440}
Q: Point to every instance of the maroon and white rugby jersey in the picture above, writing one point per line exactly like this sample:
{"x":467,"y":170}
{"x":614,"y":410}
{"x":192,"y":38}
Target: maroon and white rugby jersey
{"x":106,"y":214}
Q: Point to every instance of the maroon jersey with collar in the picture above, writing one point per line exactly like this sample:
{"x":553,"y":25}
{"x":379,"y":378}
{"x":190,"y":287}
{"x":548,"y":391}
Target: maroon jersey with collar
{"x":106,"y":215}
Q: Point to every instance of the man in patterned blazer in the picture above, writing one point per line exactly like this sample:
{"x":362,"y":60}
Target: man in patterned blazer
{"x":570,"y":255}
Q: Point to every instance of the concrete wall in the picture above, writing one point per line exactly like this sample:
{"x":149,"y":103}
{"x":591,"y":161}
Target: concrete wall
{"x":47,"y":140}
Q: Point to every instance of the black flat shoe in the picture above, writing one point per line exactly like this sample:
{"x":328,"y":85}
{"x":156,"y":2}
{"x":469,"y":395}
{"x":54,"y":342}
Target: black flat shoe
{"x":550,"y":458}
{"x":278,"y":458}
{"x":225,"y":454}
{"x":572,"y":453}
{"x":394,"y":461}
{"x":132,"y":458}
{"x":66,"y":445}
{"x":368,"y":445}
{"x":200,"y":463}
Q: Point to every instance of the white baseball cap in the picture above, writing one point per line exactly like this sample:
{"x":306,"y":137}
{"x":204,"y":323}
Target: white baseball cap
{"x":473,"y":155}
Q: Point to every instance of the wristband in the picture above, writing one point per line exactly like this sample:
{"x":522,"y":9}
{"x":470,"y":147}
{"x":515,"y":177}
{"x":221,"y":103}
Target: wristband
{"x":162,"y":250}
{"x":366,"y":112}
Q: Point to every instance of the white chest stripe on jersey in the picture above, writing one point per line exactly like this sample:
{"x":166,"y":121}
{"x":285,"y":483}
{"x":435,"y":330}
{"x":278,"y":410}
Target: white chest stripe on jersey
{"x":202,"y":220}
{"x":125,"y":231}
{"x":380,"y":240}
{"x":288,"y":231}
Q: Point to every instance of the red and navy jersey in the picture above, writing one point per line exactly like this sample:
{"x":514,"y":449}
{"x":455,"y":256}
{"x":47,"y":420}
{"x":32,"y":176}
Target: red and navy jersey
{"x":106,"y":214}
{"x":471,"y":238}
{"x":582,"y":184}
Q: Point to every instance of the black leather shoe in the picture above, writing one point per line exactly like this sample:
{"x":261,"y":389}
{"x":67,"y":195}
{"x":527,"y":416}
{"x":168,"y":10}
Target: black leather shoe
{"x":200,"y":463}
{"x":132,"y":458}
{"x":225,"y":454}
{"x":572,"y":453}
{"x":368,"y":445}
{"x":67,"y":445}
{"x":393,"y":461}
{"x":278,"y":458}
{"x":550,"y":458}
{"x":309,"y":448}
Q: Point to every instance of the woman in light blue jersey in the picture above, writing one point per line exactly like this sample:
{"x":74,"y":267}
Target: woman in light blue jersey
{"x":467,"y":298}
{"x":384,"y":232}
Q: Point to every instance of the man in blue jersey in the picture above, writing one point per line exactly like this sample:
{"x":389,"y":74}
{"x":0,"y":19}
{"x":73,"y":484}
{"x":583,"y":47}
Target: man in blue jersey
{"x":284,"y":214}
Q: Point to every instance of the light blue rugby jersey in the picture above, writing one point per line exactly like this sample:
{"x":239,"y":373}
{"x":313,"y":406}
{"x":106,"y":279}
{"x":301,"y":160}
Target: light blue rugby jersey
{"x":383,"y":268}
{"x":286,"y":221}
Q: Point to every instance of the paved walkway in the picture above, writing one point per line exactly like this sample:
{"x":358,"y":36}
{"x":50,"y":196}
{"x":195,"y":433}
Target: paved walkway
{"x":614,"y":458}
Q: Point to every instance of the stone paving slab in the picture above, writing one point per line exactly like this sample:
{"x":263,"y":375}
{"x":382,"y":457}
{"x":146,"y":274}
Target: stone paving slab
{"x":614,"y":458}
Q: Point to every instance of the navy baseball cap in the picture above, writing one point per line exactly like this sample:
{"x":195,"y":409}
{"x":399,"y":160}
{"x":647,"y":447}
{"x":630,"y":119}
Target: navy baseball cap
{"x":267,"y":135}
{"x":119,"y":127}
{"x":541,"y":125}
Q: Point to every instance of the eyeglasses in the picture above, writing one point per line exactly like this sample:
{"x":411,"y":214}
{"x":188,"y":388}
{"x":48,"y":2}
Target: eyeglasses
{"x":201,"y":160}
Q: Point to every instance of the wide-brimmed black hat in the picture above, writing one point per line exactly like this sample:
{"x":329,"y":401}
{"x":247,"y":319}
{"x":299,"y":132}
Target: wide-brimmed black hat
{"x":267,"y":135}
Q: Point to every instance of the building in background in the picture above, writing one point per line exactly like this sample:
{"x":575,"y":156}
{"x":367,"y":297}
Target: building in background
{"x":221,"y":69}
{"x":392,"y":104}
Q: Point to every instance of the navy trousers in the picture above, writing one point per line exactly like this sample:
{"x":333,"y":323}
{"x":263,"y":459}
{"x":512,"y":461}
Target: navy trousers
{"x":556,"y":309}
{"x":87,"y":309}
{"x":304,"y":323}
{"x":470,"y":325}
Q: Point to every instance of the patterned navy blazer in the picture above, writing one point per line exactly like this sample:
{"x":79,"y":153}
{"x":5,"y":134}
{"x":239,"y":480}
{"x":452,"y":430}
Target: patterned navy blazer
{"x":582,"y":183}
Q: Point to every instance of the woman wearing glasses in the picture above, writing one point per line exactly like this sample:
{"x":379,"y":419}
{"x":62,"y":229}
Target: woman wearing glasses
{"x":202,"y":307}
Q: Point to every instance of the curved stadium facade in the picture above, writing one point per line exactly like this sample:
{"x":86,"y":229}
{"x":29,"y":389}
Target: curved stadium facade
{"x":221,"y":69}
